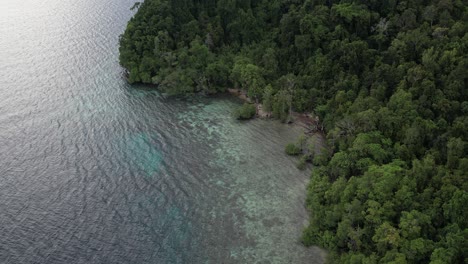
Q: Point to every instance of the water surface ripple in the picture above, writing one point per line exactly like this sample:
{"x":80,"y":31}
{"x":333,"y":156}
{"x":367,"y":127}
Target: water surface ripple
{"x":93,"y":170}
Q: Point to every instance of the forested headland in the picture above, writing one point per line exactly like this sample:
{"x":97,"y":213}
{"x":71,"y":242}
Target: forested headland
{"x":389,"y":82}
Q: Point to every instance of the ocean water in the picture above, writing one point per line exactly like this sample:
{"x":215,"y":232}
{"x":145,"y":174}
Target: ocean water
{"x":93,"y":170}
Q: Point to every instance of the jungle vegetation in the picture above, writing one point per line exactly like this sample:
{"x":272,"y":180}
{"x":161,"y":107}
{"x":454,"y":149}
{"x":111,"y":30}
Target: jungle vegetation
{"x":389,"y":82}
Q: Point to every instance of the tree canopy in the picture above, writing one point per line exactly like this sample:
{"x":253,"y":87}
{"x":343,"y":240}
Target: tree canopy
{"x":388,"y":80}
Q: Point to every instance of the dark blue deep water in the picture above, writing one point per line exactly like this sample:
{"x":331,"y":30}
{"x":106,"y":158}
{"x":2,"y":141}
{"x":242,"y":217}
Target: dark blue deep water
{"x":93,"y":170}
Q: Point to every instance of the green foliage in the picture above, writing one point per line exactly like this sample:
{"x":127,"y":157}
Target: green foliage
{"x":246,"y":111}
{"x":292,"y":149}
{"x":302,"y":163}
{"x":268,"y":99}
{"x":386,"y":78}
{"x":282,"y":105}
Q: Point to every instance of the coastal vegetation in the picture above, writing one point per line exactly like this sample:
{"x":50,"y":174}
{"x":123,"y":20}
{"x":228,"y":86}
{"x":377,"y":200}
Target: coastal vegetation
{"x":292,"y":149}
{"x":387,"y":80}
{"x":246,"y":111}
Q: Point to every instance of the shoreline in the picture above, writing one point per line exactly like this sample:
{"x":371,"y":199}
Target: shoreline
{"x":309,"y":122}
{"x":303,"y":123}
{"x":310,"y":127}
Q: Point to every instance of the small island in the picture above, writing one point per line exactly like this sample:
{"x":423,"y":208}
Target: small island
{"x":387,"y":80}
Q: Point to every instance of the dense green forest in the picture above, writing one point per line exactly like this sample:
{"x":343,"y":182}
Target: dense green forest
{"x":389,"y":82}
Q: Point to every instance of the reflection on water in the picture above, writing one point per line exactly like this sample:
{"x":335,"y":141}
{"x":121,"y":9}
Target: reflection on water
{"x":95,"y":171}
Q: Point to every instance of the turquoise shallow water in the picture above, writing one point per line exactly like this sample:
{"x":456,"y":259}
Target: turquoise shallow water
{"x":93,"y":170}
